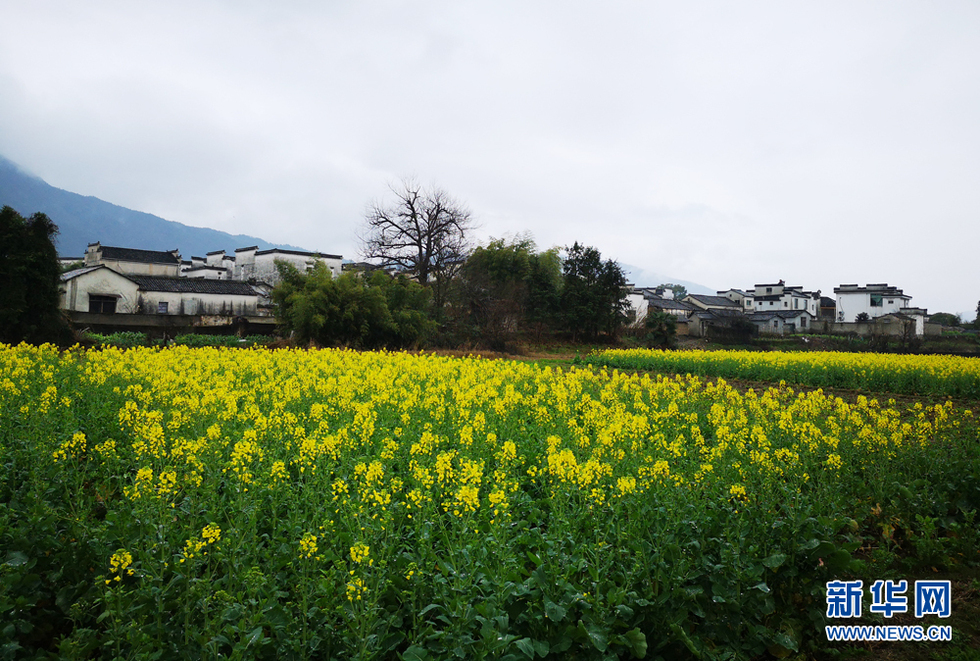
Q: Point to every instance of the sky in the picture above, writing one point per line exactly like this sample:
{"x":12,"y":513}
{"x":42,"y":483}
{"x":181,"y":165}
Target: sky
{"x":724,"y":143}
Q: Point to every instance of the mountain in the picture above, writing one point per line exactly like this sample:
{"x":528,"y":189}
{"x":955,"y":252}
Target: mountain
{"x":643,"y":278}
{"x":83,"y":220}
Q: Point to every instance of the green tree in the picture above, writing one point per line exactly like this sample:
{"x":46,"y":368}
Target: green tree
{"x":594,"y":297}
{"x":507,"y":287}
{"x":661,"y":330}
{"x":29,"y":279}
{"x":863,"y":317}
{"x":946,"y":319}
{"x":680,"y":291}
{"x":363,"y":312}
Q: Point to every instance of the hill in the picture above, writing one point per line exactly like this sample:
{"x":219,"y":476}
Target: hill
{"x":644,"y":278}
{"x":83,"y":219}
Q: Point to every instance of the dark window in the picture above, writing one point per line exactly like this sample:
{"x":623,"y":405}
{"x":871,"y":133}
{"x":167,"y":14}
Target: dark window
{"x":768,"y":290}
{"x":891,"y":302}
{"x":876,"y":300}
{"x":101,"y":304}
{"x":803,"y":322}
{"x":162,"y":307}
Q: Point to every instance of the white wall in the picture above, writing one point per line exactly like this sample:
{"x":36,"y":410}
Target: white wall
{"x":103,"y":282}
{"x":851,"y":304}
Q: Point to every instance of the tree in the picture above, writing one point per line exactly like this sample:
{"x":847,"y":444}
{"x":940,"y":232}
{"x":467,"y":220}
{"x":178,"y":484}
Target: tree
{"x":946,"y":319}
{"x":661,"y":330}
{"x":29,"y":280}
{"x":862,"y":318}
{"x":424,"y":231}
{"x":372,"y":311}
{"x":505,"y":287}
{"x":593,"y":298}
{"x":680,"y":291}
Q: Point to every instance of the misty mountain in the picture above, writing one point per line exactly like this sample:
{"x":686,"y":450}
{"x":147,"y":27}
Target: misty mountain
{"x":83,"y":220}
{"x":644,"y":278}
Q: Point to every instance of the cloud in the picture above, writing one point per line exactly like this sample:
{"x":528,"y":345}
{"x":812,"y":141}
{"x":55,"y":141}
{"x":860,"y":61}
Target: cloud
{"x":724,"y":142}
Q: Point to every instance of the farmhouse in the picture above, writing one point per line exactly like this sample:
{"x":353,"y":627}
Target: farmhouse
{"x":101,"y":290}
{"x":781,"y":322}
{"x":134,"y":261}
{"x":252,"y":264}
{"x":874,"y":300}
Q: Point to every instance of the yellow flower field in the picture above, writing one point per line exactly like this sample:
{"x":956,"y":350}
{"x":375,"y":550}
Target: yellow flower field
{"x":318,"y":504}
{"x":910,"y":374}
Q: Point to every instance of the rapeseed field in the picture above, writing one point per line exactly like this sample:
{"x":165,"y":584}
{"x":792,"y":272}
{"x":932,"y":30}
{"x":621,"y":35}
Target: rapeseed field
{"x":255,"y":503}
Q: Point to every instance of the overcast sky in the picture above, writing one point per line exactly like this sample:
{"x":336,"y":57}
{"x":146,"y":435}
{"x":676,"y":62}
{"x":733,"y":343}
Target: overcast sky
{"x":726,"y":143}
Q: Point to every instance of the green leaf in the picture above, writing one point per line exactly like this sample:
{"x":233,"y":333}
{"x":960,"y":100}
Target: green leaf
{"x":775,"y":560}
{"x":526,"y":646}
{"x":253,"y":636}
{"x":553,"y":611}
{"x":638,"y":642}
{"x":598,"y":639}
{"x":16,"y":559}
{"x":541,"y":647}
{"x":761,"y":586}
{"x":838,"y":560}
{"x":415,"y":653}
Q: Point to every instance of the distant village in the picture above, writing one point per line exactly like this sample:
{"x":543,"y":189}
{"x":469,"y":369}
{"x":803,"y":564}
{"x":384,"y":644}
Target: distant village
{"x":147,"y":289}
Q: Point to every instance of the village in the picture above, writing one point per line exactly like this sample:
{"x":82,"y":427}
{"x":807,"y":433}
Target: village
{"x":113,"y":288}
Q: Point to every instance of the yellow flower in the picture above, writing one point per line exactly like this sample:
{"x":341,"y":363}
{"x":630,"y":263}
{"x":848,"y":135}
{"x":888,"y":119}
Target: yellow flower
{"x":307,"y":545}
{"x":360,"y":552}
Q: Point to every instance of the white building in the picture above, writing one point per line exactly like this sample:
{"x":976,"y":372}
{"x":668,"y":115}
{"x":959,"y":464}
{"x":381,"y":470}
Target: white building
{"x":875,"y":300}
{"x":260,"y":265}
{"x":100,"y":289}
{"x":780,"y":297}
{"x":133,"y":260}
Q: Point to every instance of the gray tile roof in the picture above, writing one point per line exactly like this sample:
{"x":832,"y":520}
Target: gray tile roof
{"x":74,"y":273}
{"x":667,"y":304}
{"x":137,"y":255}
{"x":192,"y":285}
{"x":719,"y":301}
{"x":782,"y":314}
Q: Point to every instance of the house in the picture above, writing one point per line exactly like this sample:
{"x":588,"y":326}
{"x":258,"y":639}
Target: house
{"x":828,"y":308}
{"x":706,"y":302}
{"x":782,"y":322}
{"x":874,"y":300}
{"x":744,"y":299}
{"x":644,"y":300}
{"x":910,"y":321}
{"x":133,"y":260}
{"x":101,"y":290}
{"x":704,"y":322}
{"x":252,"y":264}
{"x":780,"y":296}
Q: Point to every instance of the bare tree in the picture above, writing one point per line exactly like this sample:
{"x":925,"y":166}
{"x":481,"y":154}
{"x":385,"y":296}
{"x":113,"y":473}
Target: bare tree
{"x":424,"y":231}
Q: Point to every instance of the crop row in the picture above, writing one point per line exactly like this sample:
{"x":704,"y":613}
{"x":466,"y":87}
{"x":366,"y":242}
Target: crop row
{"x":906,"y":374}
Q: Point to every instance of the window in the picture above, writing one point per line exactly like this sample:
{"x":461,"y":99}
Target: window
{"x":876,"y":301}
{"x":891,"y":301}
{"x":803,"y":322}
{"x":101,"y":304}
{"x":162,"y":307}
{"x":785,"y":304}
{"x":768,"y":290}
